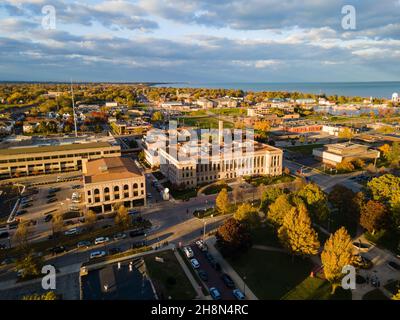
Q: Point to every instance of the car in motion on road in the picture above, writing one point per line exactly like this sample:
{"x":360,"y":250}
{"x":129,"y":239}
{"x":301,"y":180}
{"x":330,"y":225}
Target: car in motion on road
{"x":195,"y":263}
{"x":101,"y":240}
{"x":215,"y":293}
{"x":228,"y":280}
{"x":48,"y":218}
{"x":97,"y":254}
{"x":239,"y":295}
{"x":188,"y":252}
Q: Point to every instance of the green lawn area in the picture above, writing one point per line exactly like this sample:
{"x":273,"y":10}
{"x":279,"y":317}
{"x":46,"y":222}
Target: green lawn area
{"x":204,"y":122}
{"x":375,"y":294}
{"x":230,"y":111}
{"x":271,"y":275}
{"x":215,"y":188}
{"x":317,"y":289}
{"x":387,"y":239}
{"x":305,"y":149}
{"x":180,"y":194}
{"x":168,"y":277}
{"x":265,"y":236}
{"x":267,"y":180}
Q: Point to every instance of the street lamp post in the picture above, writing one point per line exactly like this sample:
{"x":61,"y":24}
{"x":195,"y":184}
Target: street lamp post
{"x":244,"y":285}
{"x":204,"y":230}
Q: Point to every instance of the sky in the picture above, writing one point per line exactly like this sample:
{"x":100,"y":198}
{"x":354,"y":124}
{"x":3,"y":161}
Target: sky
{"x":200,"y":40}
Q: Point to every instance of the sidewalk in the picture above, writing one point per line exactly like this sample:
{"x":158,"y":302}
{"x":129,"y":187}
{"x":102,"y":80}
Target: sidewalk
{"x":228,"y":269}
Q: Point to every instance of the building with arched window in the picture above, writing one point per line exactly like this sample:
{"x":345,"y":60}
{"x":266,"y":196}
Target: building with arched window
{"x":111,"y":182}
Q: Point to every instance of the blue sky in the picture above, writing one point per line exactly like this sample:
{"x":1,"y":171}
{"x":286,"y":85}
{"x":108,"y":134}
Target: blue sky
{"x":200,"y":41}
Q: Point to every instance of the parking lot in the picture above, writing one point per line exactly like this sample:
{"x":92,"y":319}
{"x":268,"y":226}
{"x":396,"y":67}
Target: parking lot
{"x":214,"y":276}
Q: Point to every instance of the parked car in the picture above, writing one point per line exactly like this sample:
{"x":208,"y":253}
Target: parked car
{"x":21,"y":212}
{"x":26,"y":205}
{"x":136,"y":233}
{"x":71,"y":232}
{"x":188,"y":252}
{"x":2,"y":246}
{"x":216,"y":265}
{"x":239,"y":295}
{"x":83,"y":244}
{"x":101,"y":240}
{"x":215,"y":293}
{"x":227,"y":280}
{"x":202,"y":245}
{"x":119,"y":236}
{"x":58,"y":249}
{"x":48,"y":218}
{"x":195,"y":263}
{"x":203,"y":275}
{"x":393,"y":265}
{"x":51,"y":200}
{"x":97,"y":254}
{"x":51,"y":196}
{"x":4,"y":234}
{"x":133,"y":211}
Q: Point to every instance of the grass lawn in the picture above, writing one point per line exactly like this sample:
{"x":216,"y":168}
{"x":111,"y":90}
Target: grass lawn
{"x":230,"y":111}
{"x":183,"y":194}
{"x":305,"y":149}
{"x":215,"y":188}
{"x":317,"y":289}
{"x":204,"y":122}
{"x":375,"y":294}
{"x":267,"y":180}
{"x":271,"y":275}
{"x":168,"y":277}
{"x":387,"y":239}
{"x":265,"y":236}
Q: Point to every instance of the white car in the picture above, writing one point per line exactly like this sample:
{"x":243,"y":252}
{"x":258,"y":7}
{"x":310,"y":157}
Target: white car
{"x":71,"y":232}
{"x":201,"y":245}
{"x":97,"y":254}
{"x":188,"y":252}
{"x":195,"y":263}
{"x":101,"y":240}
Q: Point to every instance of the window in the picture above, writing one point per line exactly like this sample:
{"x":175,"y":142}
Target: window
{"x":135,"y":185}
{"x":106,"y":190}
{"x":116,"y":189}
{"x":96,"y":191}
{"x":126,"y":187}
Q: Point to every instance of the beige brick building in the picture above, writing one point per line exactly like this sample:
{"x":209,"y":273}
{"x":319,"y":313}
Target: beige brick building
{"x":32,"y":160}
{"x":111,"y":182}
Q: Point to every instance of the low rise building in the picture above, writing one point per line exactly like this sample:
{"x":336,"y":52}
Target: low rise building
{"x":111,"y":182}
{"x":333,"y":154}
{"x":130,"y":127}
{"x":51,"y":156}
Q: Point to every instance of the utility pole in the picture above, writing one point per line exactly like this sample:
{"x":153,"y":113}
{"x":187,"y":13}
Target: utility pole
{"x":73,"y":109}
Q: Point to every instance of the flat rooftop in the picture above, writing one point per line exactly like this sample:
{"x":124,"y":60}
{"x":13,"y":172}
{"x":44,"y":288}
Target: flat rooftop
{"x":110,"y":169}
{"x":53,"y":148}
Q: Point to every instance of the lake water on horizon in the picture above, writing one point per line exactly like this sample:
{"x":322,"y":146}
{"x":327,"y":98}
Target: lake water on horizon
{"x":363,"y":89}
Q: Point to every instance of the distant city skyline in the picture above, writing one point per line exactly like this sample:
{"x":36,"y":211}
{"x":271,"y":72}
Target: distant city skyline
{"x":199,"y":41}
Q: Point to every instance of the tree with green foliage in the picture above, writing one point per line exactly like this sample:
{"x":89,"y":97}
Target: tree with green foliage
{"x":374,"y":216}
{"x":297,"y":234}
{"x":90,"y":218}
{"x":247,"y":214}
{"x":346,"y":133}
{"x":278,"y":209}
{"x":30,"y":265}
{"x":21,"y":235}
{"x":337,"y":253}
{"x":222,"y":202}
{"x":315,"y":200}
{"x":269,"y":196}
